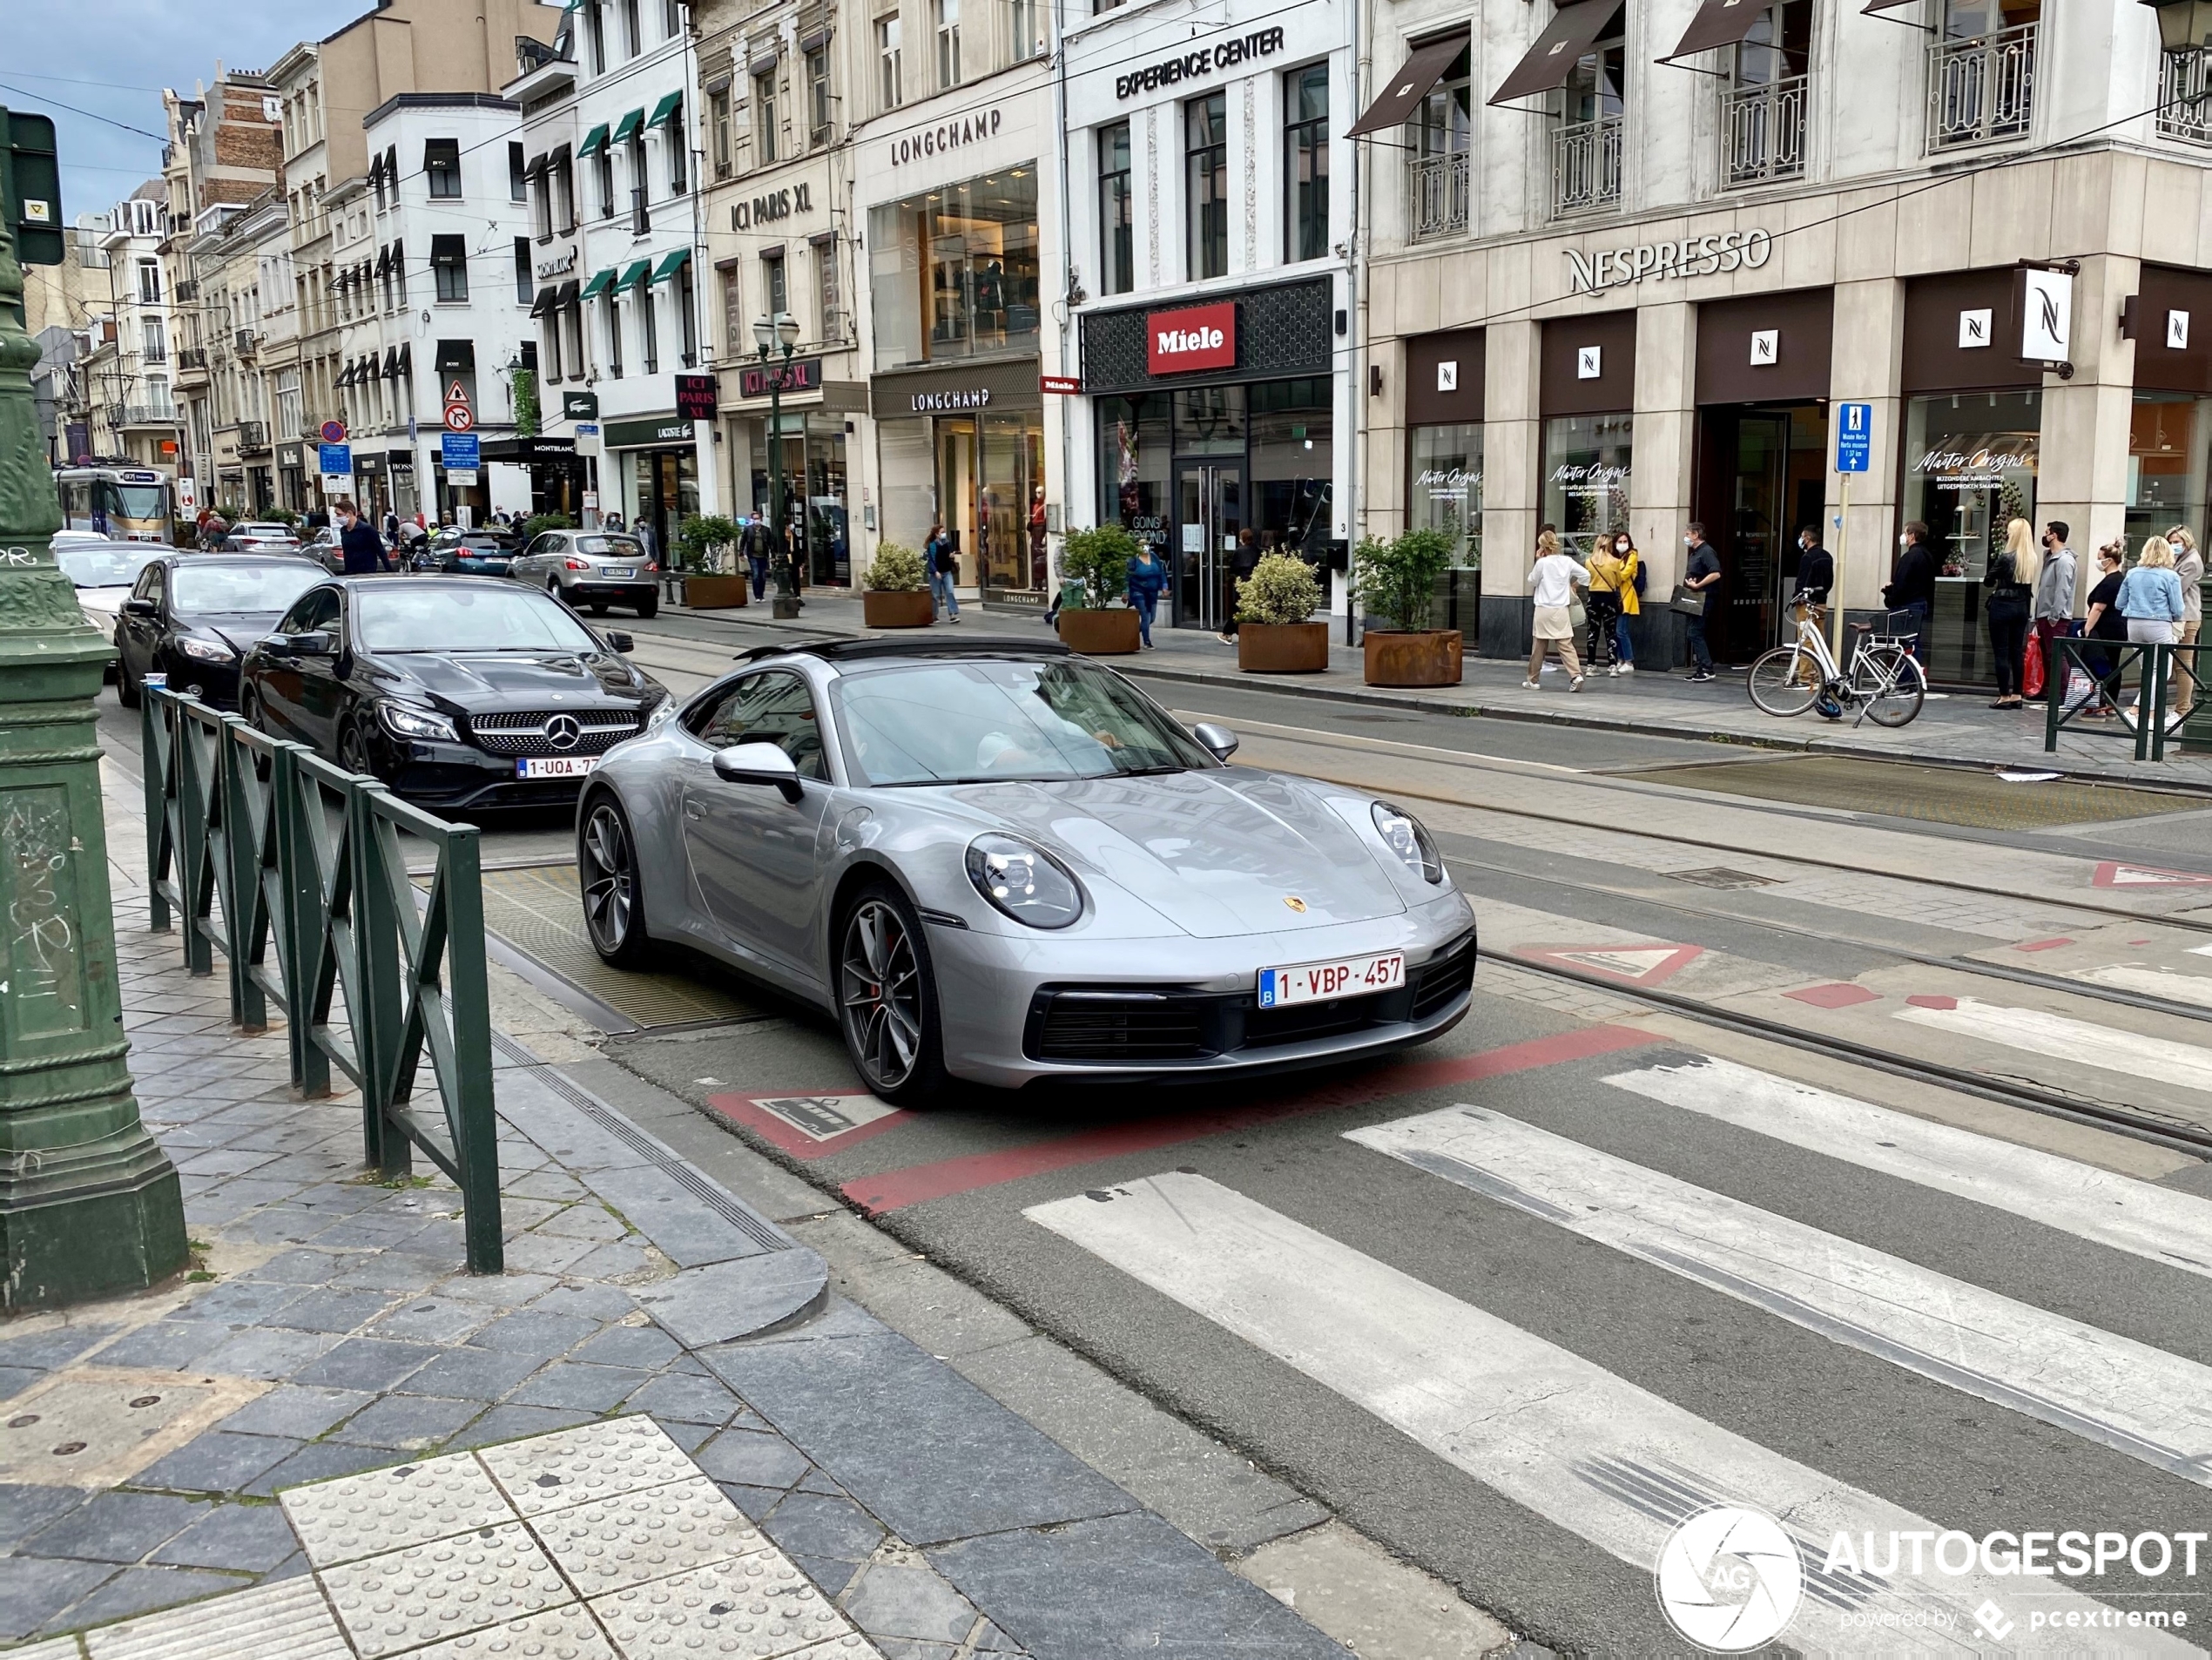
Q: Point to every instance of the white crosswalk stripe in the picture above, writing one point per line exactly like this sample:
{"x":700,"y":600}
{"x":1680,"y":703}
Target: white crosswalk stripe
{"x":2153,"y":982}
{"x":2128,"y":1395}
{"x":2140,"y":1218}
{"x":1559,"y":1435}
{"x":2160,"y":1060}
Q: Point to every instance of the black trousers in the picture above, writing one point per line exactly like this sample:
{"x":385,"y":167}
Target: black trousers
{"x":1602,"y":610}
{"x":2007,"y":638}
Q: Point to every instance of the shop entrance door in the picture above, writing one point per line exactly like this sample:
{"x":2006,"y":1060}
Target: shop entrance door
{"x":1760,"y":480}
{"x":1210,"y":511}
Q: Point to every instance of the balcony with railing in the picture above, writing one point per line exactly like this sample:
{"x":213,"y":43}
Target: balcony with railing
{"x":253,"y":438}
{"x":1982,"y":91}
{"x":1586,"y":166}
{"x":2185,"y":95}
{"x":248,"y":341}
{"x":150,"y":415}
{"x":1440,"y":187}
{"x":191,"y":358}
{"x":1763,"y":132}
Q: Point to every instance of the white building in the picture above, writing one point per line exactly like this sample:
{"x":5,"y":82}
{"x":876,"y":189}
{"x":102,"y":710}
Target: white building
{"x":1210,"y":234}
{"x":128,"y":382}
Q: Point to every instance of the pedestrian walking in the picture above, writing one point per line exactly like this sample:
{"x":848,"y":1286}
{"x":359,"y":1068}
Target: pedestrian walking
{"x":2055,"y":585}
{"x":1702,"y":575}
{"x":1911,"y":588}
{"x":2150,"y":598}
{"x":2106,"y":622}
{"x":1629,"y":591}
{"x":362,"y":548}
{"x":1240,"y":566}
{"x":940,"y":558}
{"x":2188,"y":568}
{"x":1553,"y":579}
{"x":2009,"y":578}
{"x":753,"y":539}
{"x":1147,"y":577}
{"x":1612,"y":597}
{"x":1816,"y":577}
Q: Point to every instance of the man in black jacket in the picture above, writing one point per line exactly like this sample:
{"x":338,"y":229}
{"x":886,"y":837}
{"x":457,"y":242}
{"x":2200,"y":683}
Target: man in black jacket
{"x":362,"y":546}
{"x":1912,"y":585}
{"x":1816,"y":569}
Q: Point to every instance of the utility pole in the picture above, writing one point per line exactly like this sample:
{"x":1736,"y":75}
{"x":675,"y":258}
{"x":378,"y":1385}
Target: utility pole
{"x":89,"y":1203}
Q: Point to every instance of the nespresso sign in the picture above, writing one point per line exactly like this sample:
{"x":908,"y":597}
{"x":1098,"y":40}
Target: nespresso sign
{"x":1694,"y":256}
{"x":946,"y":135}
{"x":1196,"y":337}
{"x":1190,"y":66}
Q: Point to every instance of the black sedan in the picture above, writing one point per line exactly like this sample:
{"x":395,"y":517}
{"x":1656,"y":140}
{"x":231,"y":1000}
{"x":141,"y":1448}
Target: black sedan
{"x":193,"y":616}
{"x":459,"y":693}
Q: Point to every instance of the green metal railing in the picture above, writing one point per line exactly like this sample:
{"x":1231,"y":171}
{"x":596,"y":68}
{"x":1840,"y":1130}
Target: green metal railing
{"x":294,"y":870}
{"x":2109,"y":666}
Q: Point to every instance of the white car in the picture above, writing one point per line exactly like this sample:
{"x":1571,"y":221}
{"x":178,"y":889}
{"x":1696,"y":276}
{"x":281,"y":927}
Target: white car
{"x":260,"y":537}
{"x":102,"y":573}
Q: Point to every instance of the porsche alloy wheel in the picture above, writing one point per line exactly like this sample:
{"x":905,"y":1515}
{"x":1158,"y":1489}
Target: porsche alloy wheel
{"x":613,"y":909}
{"x":887,"y":998}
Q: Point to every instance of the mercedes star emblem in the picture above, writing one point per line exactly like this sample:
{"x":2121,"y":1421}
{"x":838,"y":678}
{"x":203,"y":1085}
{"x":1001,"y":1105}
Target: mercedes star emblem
{"x":563,"y":733}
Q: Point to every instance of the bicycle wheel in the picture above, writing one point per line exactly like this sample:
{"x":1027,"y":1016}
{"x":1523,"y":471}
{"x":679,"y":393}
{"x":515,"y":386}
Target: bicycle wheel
{"x":1784,"y":681}
{"x":1889,"y":683}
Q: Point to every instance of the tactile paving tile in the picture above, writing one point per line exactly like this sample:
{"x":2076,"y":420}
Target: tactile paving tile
{"x":383,"y":1511}
{"x":590,"y":1462}
{"x":756,"y":1608}
{"x":568,"y":1633}
{"x":425,"y":1593}
{"x":288,"y":1620}
{"x":637,"y":1536}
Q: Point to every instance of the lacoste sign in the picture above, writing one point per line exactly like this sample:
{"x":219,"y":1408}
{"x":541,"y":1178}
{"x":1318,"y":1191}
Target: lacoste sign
{"x":1196,"y":337}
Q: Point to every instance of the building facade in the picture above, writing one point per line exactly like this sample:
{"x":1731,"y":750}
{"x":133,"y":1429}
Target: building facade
{"x":128,"y":374}
{"x":1633,"y":260}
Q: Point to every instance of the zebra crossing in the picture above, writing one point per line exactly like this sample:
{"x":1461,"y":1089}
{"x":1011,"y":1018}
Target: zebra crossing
{"x":1624,"y":1467}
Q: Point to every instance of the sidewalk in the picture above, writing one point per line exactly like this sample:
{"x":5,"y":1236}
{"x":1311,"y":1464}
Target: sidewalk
{"x":689,"y":1441}
{"x":1953,"y":729}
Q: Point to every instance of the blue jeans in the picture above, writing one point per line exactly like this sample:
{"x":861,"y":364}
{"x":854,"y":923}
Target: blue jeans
{"x":1918,"y":612}
{"x":1146,"y":604}
{"x":759,"y":575}
{"x":1621,"y":649}
{"x":941,"y":585}
{"x":1701,"y":655}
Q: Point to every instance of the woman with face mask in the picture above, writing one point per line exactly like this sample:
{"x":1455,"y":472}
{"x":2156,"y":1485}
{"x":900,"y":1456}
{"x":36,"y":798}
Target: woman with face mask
{"x":1615,"y":569}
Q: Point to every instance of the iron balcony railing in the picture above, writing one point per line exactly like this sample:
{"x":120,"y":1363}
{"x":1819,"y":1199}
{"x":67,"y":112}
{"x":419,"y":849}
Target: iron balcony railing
{"x":1982,"y":90}
{"x":1439,"y":195}
{"x":149,"y":415}
{"x":1763,"y":132}
{"x":296,"y":871}
{"x":191,"y":357}
{"x":252,"y":437}
{"x":2185,"y":95}
{"x":1586,"y":165}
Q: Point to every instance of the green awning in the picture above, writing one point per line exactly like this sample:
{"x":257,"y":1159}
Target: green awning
{"x":664,"y":109}
{"x":635,"y":277}
{"x":598,"y":284}
{"x":671,"y":263}
{"x":594,"y":141}
{"x":628,"y":128}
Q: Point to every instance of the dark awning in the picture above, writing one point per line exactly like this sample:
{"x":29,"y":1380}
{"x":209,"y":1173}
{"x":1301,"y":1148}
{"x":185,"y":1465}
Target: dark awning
{"x":1410,"y":85}
{"x":1552,"y":59}
{"x":536,"y":169}
{"x":1719,"y":22}
{"x":566,"y":298}
{"x":406,"y":357}
{"x":348,"y":375}
{"x":663,"y":110}
{"x":548,"y":297}
{"x":391,"y":363}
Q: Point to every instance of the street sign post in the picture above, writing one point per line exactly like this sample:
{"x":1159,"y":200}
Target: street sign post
{"x":1854,"y":453}
{"x":334,"y":460}
{"x":459,"y":452}
{"x":333,"y":432}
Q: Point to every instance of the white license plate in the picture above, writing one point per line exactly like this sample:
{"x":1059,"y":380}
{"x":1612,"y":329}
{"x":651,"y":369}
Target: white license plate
{"x":1340,"y":977}
{"x":556,"y":767}
{"x":623,"y":575}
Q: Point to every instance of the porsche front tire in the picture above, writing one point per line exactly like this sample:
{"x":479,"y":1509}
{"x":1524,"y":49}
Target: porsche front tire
{"x":886,"y":998}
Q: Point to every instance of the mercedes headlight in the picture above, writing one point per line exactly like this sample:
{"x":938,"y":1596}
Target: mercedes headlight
{"x":1401,"y":831}
{"x":1025,"y":882}
{"x":205,"y":650}
{"x":405,"y":721}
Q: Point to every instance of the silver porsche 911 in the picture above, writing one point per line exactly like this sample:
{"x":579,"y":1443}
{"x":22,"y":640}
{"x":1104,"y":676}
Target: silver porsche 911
{"x":1000,"y":863}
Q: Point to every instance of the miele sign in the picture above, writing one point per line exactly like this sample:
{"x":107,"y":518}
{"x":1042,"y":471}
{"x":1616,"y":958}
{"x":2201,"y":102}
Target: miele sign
{"x":1197,"y":337}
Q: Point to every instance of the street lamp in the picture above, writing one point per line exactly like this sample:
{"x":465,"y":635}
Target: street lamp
{"x":2183,"y":25}
{"x":770,"y":332}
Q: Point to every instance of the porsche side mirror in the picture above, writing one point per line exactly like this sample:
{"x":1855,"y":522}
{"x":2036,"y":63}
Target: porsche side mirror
{"x":141,"y":607}
{"x":1219,"y":739}
{"x":758,"y":764}
{"x":620,"y":641}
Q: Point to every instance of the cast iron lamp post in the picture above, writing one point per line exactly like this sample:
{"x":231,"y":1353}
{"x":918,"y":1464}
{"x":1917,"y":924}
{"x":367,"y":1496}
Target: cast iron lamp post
{"x":781,"y":330}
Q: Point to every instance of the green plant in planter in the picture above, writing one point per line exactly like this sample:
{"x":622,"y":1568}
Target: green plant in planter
{"x":897,"y":570}
{"x":701,"y":539}
{"x":1398,"y":578}
{"x":284,"y":516}
{"x":1281,"y":589}
{"x":1099,"y":558}
{"x":538,"y":524}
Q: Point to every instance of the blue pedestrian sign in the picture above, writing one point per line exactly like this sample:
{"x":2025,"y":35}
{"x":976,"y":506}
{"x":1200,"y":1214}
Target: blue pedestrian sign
{"x":336,"y":460}
{"x":459,"y":451}
{"x":1854,"y":437}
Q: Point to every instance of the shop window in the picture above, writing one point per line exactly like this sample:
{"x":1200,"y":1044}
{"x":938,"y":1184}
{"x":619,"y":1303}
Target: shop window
{"x":948,"y":24}
{"x":954,"y":273}
{"x":1289,"y":427}
{"x":1135,"y":449}
{"x":820,"y":112}
{"x":1444,"y":486}
{"x":718,"y":107}
{"x":441,"y":164}
{"x":1205,"y":158}
{"x":2170,"y":437}
{"x":1970,"y":461}
{"x":1305,"y":163}
{"x":449,"y":264}
{"x":1587,"y":462}
{"x":764,"y":118}
{"x":890,"y":69}
{"x":1116,"y":213}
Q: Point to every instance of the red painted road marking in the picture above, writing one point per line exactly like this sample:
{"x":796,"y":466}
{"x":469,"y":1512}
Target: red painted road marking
{"x":918,"y":1184}
{"x":777,"y":1128}
{"x":1632,"y":965}
{"x":2112,"y":873}
{"x":1926,"y":1000}
{"x":2042,"y":945}
{"x":1837,"y":994}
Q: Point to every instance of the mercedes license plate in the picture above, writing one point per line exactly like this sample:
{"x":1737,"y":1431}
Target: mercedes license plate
{"x":1340,"y":977}
{"x":556,"y":767}
{"x":624,"y":574}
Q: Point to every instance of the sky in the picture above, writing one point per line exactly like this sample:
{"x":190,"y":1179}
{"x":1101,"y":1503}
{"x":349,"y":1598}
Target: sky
{"x":112,"y":57}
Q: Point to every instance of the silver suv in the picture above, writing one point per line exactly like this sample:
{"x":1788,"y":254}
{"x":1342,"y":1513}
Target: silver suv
{"x":591,"y":568}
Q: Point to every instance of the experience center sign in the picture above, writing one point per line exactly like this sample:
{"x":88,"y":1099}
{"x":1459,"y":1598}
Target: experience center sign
{"x":1195,"y":337}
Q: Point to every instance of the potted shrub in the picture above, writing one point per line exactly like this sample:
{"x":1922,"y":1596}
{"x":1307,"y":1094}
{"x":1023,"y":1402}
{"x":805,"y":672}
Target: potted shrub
{"x":1095,"y":565}
{"x":1273,"y":636}
{"x":1398,"y":582}
{"x":895,"y":589}
{"x":706,"y":553}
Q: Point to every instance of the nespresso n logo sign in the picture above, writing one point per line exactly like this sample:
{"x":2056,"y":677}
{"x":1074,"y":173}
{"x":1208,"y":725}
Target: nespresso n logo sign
{"x":1264,"y":43}
{"x":766,"y":210}
{"x":949,"y":135}
{"x":1196,"y":337}
{"x":932,"y":402}
{"x":1694,"y":256}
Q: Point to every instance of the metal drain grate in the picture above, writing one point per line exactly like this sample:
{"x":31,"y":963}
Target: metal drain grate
{"x":1720,"y":876}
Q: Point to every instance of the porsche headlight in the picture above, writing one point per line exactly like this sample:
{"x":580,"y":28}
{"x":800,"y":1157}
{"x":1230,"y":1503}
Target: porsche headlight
{"x":205,"y":651}
{"x":407,"y":721}
{"x":1023,"y":881}
{"x":1401,"y":831}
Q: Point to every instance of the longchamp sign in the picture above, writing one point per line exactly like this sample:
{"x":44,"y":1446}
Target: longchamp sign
{"x":1694,"y":256}
{"x":947,"y":135}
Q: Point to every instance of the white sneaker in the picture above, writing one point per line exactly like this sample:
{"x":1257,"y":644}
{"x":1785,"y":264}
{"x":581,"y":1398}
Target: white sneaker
{"x":1625,"y":668}
{"x":1576,"y":685}
{"x":1530,"y":685}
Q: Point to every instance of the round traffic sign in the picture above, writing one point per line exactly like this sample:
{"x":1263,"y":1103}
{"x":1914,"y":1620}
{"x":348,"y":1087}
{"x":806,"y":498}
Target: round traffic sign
{"x":459,"y":418}
{"x":333,"y":432}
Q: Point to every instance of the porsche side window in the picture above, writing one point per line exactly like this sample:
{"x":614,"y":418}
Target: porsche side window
{"x":769,"y":709}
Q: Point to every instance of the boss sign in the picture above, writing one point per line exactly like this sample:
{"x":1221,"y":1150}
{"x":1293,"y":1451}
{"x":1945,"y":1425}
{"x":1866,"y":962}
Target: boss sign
{"x":1196,"y":337}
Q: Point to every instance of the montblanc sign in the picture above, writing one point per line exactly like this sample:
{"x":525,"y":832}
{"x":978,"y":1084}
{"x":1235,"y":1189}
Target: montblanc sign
{"x":1189,"y":67}
{"x":776,"y":205}
{"x":1694,"y":256}
{"x":946,"y":135}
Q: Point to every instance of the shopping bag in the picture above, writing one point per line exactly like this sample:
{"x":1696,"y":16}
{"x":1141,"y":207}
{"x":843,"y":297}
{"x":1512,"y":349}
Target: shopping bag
{"x":2079,"y":687}
{"x":1691,"y":601}
{"x":2032,"y":670}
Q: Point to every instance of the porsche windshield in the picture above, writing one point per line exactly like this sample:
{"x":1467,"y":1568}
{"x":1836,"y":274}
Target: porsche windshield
{"x":453,"y":618}
{"x":984,"y":722}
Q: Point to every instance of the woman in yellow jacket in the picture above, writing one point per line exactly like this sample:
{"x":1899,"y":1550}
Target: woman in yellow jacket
{"x":1614,"y":564}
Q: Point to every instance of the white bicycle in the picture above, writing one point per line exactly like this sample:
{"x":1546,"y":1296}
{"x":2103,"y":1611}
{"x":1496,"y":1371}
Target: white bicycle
{"x":1885,"y":683}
